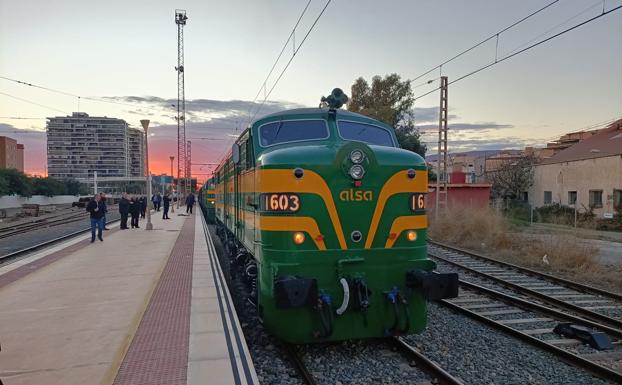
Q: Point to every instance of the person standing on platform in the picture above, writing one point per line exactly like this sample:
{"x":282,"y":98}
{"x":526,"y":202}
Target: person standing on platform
{"x":134,"y":212}
{"x":157,"y":200}
{"x":166,"y":200}
{"x":124,"y":209}
{"x":96,"y":209}
{"x":103,"y":199}
{"x":189,"y":203}
{"x":143,"y":206}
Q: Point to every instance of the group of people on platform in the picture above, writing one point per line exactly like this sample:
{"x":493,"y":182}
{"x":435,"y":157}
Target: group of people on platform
{"x":134,"y":207}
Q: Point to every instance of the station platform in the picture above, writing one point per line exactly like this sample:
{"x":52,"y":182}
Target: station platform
{"x":141,"y":307}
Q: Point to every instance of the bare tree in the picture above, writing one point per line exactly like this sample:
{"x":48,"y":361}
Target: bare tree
{"x":513,"y":177}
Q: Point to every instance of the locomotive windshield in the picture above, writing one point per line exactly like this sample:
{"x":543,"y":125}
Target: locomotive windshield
{"x":367,"y":133}
{"x":285,"y":131}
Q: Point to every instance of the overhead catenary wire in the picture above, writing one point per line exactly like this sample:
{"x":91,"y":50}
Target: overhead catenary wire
{"x":31,"y":102}
{"x":289,"y":38}
{"x":263,"y":86}
{"x":493,"y":36}
{"x":511,"y":55}
{"x":291,"y":58}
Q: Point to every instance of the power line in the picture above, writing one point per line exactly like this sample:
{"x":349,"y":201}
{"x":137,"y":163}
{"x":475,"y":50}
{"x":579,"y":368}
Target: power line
{"x":556,"y":26}
{"x":497,"y":61}
{"x":79,"y":97}
{"x":495,"y":35}
{"x":19,"y":118}
{"x":31,"y":102}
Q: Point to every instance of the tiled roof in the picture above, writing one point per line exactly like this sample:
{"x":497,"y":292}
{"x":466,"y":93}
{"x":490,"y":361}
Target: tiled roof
{"x":606,"y":143}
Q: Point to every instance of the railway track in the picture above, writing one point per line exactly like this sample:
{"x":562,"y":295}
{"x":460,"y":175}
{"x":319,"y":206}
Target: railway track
{"x":411,"y":354}
{"x":530,"y":305}
{"x":19,"y":253}
{"x":42,"y":223}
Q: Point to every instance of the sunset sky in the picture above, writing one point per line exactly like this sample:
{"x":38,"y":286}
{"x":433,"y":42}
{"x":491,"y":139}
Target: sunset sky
{"x":123,"y":54}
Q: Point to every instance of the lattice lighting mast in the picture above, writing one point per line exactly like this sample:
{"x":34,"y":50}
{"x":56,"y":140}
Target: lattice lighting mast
{"x":180,"y":20}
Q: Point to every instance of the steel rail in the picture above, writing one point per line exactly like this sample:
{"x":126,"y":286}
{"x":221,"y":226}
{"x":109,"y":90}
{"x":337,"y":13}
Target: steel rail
{"x":574,"y":359}
{"x":614,"y":323}
{"x":50,"y":242}
{"x":25,"y":227}
{"x":575,"y":285}
{"x":535,"y":307}
{"x":292,"y":353}
{"x":443,"y":377}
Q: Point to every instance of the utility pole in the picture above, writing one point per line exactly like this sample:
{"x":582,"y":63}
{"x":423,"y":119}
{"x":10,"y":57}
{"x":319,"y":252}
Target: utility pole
{"x":180,"y":20}
{"x":441,"y":178}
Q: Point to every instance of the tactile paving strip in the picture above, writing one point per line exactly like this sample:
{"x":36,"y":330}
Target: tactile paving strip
{"x":158,"y":353}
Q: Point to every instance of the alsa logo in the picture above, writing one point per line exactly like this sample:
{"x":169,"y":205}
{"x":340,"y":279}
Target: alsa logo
{"x":356,"y":195}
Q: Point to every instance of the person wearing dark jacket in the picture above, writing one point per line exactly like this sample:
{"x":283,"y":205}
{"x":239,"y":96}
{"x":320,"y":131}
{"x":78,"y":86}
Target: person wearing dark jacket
{"x":143,"y":206}
{"x":166,"y":201}
{"x":96,"y":209}
{"x":157,"y":200}
{"x":189,"y":203}
{"x":124,"y":209}
{"x":103,"y":199}
{"x":134,"y":211}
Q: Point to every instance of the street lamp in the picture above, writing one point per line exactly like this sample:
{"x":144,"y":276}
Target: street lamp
{"x":172,"y":183}
{"x":145,"y":123}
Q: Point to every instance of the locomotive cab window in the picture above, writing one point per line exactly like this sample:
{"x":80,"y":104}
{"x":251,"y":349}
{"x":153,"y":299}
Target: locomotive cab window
{"x":367,"y":133}
{"x":286,"y":131}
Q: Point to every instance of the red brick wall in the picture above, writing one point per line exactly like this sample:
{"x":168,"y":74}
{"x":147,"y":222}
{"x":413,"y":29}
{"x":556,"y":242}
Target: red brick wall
{"x":477,"y":195}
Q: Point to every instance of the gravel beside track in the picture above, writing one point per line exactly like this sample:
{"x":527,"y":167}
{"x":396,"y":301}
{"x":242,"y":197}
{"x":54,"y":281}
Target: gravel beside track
{"x":45,"y":234}
{"x":473,"y":352}
{"x":480,"y":355}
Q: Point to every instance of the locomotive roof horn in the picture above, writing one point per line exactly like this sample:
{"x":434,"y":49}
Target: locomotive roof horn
{"x":335,"y":100}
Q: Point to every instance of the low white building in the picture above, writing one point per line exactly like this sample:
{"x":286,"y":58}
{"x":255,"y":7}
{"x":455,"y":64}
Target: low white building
{"x":587,"y":174}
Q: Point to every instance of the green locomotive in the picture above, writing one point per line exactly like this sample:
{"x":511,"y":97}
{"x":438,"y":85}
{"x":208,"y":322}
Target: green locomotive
{"x":324,"y":217}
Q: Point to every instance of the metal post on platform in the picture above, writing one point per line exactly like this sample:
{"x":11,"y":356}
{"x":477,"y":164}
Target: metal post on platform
{"x":95,"y":182}
{"x":172,"y":158}
{"x":145,"y":124}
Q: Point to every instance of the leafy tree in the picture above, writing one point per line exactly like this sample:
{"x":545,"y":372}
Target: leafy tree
{"x":513,"y":177}
{"x":389,"y":100}
{"x":18,"y":182}
{"x":4,"y":185}
{"x":74,"y":187}
{"x":48,"y":187}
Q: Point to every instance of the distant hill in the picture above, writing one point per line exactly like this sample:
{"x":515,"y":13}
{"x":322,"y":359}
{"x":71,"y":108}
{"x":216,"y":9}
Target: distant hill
{"x":475,"y":153}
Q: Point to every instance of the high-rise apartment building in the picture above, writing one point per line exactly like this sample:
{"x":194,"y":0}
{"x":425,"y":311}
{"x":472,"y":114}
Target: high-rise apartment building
{"x":78,"y":145}
{"x":11,"y":154}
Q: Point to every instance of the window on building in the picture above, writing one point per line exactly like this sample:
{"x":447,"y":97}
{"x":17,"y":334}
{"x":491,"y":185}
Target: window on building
{"x":596,"y":198}
{"x":572,"y":197}
{"x":548,"y":197}
{"x":617,"y":199}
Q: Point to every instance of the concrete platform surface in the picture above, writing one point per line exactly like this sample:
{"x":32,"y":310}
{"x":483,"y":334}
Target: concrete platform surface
{"x":95,"y":309}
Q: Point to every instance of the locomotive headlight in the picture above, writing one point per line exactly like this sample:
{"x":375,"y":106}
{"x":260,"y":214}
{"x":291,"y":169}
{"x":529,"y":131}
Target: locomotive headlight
{"x":357,"y":156}
{"x":299,"y":238}
{"x":411,"y":235}
{"x":356,"y":172}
